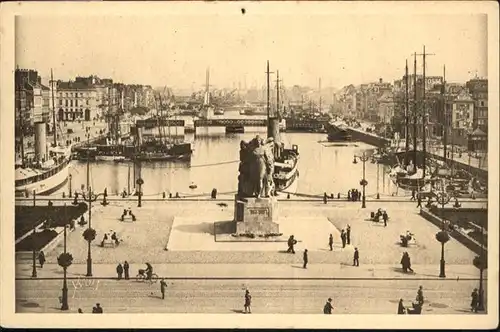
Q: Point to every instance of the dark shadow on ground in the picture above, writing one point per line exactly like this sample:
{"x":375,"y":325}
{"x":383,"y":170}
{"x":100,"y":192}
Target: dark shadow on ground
{"x":224,"y":227}
{"x":238,"y":311}
{"x":30,"y":305}
{"x":204,"y":227}
{"x":298,"y":267}
{"x":400,"y":270}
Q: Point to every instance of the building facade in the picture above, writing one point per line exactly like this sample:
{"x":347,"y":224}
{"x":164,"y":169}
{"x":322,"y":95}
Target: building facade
{"x":478,"y":89}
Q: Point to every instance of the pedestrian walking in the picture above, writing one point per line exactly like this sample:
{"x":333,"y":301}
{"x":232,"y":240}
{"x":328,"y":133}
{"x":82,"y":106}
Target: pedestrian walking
{"x":119,"y":271}
{"x":80,"y":311}
{"x":291,"y":243}
{"x":420,"y":296}
{"x":401,"y":307}
{"x":412,"y":198}
{"x":306,"y":259}
{"x":419,"y":201}
{"x":126,"y":269}
{"x":330,"y":242}
{"x":355,"y":261}
{"x":474,"y":304}
{"x":41,"y":259}
{"x":163,"y":287}
{"x":325,"y":198}
{"x":248,"y":302}
{"x":343,"y":238}
{"x":327,"y":309}
{"x":385,"y":217}
{"x":348,"y":234}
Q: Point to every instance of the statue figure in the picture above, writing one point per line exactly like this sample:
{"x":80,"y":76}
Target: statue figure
{"x":256,"y":168}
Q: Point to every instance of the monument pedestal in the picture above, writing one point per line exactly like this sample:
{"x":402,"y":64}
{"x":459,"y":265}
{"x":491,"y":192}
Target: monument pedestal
{"x":257,"y":216}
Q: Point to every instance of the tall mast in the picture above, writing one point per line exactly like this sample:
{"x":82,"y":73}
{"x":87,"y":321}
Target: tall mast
{"x":268,"y":92}
{"x":415,"y":110}
{"x":53,"y":108}
{"x":424,"y":115}
{"x":277,"y":91}
{"x":445,"y":122}
{"x":319,"y":94}
{"x":407,"y":141}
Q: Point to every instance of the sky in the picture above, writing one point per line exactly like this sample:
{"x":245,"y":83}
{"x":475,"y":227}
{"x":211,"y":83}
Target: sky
{"x":175,"y":50}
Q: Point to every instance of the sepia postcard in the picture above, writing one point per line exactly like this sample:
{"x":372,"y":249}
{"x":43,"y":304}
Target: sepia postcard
{"x":249,"y":164}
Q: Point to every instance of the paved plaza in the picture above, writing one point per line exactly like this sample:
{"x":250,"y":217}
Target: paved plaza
{"x":155,"y":230}
{"x":209,"y":277}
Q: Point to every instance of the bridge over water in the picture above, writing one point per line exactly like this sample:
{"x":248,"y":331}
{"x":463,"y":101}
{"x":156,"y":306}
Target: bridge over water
{"x":290,"y":124}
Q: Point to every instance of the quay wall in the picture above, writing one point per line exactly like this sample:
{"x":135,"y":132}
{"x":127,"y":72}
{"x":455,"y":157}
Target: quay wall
{"x":379,"y":142}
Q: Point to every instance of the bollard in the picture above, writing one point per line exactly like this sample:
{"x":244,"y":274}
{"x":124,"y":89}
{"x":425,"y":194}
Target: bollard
{"x":177,"y":195}
{"x":287,"y":196}
{"x":63,"y":195}
{"x":325,"y":198}
{"x":331,"y":195}
{"x":170,"y":195}
{"x":378,"y":196}
{"x":214,"y":193}
{"x":338,"y":196}
{"x":164,"y":195}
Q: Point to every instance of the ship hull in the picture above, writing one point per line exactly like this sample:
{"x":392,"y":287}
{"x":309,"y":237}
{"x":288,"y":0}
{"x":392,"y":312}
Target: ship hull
{"x":45,"y":186}
{"x":164,"y":157}
{"x":284,"y":179}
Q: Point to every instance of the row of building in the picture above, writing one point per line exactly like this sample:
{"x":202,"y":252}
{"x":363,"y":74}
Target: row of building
{"x":84,"y":99}
{"x":461,"y":108}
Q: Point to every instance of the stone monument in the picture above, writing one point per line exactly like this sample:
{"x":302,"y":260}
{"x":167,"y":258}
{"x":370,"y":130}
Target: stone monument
{"x":255,"y":206}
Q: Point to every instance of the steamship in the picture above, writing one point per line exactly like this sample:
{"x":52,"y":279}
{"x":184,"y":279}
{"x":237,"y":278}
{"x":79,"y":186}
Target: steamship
{"x":46,"y":170}
{"x":286,"y":161}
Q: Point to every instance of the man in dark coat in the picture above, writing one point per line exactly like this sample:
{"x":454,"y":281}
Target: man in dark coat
{"x":348,"y":234}
{"x":401,"y":307}
{"x":248,"y":302}
{"x":474,"y":300}
{"x":343,"y":238}
{"x":330,"y":242}
{"x":291,"y":243}
{"x":119,"y":271}
{"x":412,"y":195}
{"x":355,"y":261}
{"x":126,"y":269}
{"x":306,"y":259}
{"x":41,"y":259}
{"x":97,"y":309}
{"x":163,"y":287}
{"x":327,"y":309}
{"x":385,"y":217}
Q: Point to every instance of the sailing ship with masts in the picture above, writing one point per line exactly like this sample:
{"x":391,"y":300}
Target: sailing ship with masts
{"x":162,"y":147}
{"x":47,"y":170}
{"x":286,"y":160}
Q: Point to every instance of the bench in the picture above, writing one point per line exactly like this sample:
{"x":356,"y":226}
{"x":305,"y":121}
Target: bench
{"x":108,"y":243}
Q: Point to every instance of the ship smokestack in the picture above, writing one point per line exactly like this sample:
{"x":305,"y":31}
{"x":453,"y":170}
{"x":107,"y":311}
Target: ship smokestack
{"x":40,"y":141}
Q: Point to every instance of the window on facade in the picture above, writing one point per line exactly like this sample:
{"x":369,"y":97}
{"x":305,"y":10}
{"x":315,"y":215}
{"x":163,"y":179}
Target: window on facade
{"x":60,"y":102}
{"x":66,"y":103}
{"x":87,"y":101}
{"x":76,"y":102}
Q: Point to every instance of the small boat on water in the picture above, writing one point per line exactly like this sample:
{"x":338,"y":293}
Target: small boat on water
{"x":338,"y":132}
{"x":193,"y":185}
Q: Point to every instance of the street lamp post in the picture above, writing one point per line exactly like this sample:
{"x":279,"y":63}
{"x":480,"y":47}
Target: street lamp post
{"x":139,"y":182}
{"x":64,"y":260}
{"x":378,"y":176}
{"x":33,"y":243}
{"x":89,"y":234}
{"x":70,"y":194}
{"x":364,"y":158}
{"x":442,"y":236}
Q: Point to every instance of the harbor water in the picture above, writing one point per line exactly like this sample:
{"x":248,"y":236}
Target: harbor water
{"x":323,"y":167}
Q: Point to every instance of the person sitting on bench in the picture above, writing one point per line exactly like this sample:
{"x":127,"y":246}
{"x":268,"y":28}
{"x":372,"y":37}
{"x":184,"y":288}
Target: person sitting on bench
{"x":115,"y":238}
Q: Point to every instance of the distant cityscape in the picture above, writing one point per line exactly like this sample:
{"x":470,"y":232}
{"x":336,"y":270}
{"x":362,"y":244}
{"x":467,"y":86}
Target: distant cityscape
{"x":381,"y":103}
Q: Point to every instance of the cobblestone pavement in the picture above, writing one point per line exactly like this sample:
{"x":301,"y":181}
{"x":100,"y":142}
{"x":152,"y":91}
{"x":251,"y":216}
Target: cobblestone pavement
{"x":145,"y":239}
{"x":227,"y":296}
